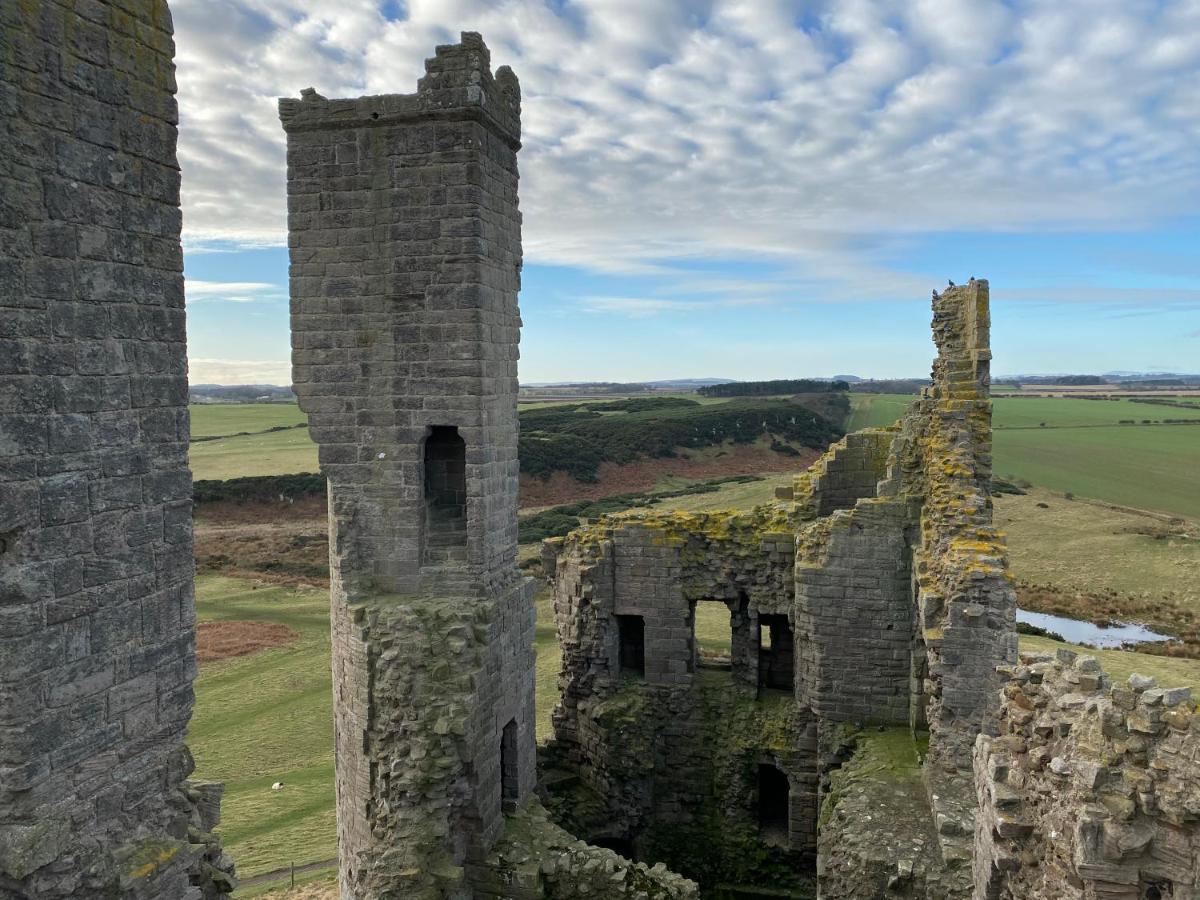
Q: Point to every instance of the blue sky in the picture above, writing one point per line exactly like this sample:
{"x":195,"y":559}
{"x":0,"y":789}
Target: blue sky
{"x":750,"y":189}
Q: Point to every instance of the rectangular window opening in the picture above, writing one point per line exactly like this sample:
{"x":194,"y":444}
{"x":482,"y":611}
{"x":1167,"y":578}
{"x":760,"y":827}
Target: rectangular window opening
{"x":632,"y":634}
{"x":776,"y":654}
{"x":445,"y":496}
{"x":712,"y":634}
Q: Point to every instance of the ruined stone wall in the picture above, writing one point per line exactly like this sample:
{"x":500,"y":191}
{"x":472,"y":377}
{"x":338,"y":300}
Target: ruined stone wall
{"x":671,"y":774}
{"x":883,"y":558}
{"x":96,"y":598}
{"x":668,"y":761}
{"x":404,"y":236}
{"x":1089,"y":790}
{"x":536,"y":859}
{"x":847,"y":472}
{"x":657,"y":566}
{"x":966,"y":606}
{"x":855,"y":621}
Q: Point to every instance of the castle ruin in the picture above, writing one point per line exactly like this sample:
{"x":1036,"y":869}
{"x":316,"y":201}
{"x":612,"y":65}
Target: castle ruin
{"x":872,"y":733}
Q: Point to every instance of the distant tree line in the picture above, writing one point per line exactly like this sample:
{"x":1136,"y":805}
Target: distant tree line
{"x":577,"y":439}
{"x":890,"y":386}
{"x":767,"y":388}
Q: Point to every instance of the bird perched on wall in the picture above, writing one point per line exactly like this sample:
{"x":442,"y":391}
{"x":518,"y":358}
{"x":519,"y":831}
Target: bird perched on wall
{"x":972,"y":281}
{"x":949,"y":283}
{"x":935,"y":295}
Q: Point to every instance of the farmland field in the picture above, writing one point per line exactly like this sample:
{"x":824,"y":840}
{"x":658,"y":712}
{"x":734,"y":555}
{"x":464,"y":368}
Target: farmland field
{"x":1081,"y":448}
{"x":232,"y":418}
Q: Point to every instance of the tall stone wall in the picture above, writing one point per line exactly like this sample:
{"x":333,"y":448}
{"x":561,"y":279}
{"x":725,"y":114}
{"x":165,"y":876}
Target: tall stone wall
{"x":855,"y":621}
{"x":405,"y":249}
{"x":966,"y":605}
{"x":96,"y":597}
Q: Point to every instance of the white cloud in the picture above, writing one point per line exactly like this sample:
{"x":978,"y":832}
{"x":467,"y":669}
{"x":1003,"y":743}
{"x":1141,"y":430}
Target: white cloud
{"x":238,"y":371}
{"x":658,"y":131}
{"x":231,"y":291}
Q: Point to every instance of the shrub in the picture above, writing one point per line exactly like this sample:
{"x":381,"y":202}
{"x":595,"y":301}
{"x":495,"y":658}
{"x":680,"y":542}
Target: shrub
{"x":259,"y":488}
{"x":576,"y":439}
{"x":544,"y":453}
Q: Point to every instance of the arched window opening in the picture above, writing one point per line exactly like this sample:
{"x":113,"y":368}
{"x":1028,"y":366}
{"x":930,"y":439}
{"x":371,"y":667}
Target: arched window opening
{"x":445,"y":496}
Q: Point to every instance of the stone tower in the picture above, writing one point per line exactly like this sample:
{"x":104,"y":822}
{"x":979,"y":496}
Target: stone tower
{"x":405,"y":266}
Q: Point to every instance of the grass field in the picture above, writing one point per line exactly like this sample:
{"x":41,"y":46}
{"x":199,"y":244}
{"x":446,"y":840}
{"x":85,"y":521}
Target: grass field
{"x":1082,"y":546}
{"x":266,"y":718}
{"x":1082,"y":449}
{"x":273,"y":453}
{"x":232,"y":418}
{"x":269,"y":717}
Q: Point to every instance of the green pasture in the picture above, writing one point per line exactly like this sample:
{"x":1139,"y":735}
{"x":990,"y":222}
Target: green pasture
{"x":1080,"y":545}
{"x":1081,"y":448}
{"x":273,"y":453}
{"x":269,"y":717}
{"x":233,"y":418}
{"x":1145,"y":466}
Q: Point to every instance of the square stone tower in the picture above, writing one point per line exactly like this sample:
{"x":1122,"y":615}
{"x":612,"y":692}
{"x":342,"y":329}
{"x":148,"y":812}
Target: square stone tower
{"x":405,"y":265}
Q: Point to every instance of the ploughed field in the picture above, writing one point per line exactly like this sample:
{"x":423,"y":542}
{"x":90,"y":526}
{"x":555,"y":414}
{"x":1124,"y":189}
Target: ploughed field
{"x":264,"y":705}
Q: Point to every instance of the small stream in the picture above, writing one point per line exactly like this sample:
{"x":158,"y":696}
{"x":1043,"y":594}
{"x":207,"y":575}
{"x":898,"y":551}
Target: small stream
{"x":1074,"y":631}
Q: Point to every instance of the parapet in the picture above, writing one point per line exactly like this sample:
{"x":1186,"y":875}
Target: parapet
{"x":458,"y":84}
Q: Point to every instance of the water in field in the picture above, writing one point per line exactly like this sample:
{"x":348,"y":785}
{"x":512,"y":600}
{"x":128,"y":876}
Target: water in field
{"x":1075,"y":631}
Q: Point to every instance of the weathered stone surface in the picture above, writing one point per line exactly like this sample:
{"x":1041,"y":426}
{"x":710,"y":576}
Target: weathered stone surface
{"x":96,"y":602}
{"x":1115,"y":811}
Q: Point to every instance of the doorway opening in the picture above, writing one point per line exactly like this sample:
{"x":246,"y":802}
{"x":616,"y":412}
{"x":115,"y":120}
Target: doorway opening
{"x":774,"y":794}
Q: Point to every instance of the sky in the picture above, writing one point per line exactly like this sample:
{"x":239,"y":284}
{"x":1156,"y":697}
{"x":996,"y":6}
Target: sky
{"x":749,"y":189}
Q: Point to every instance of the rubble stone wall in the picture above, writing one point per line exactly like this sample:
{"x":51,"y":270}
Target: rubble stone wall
{"x":1088,"y":790}
{"x":96,"y":597}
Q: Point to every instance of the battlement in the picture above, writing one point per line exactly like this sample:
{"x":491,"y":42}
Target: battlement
{"x":458,"y":84}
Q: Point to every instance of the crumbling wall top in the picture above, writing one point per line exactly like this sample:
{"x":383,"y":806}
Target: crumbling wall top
{"x":458,"y":83}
